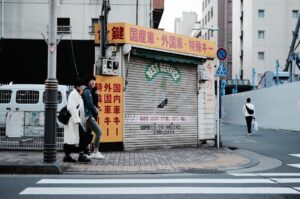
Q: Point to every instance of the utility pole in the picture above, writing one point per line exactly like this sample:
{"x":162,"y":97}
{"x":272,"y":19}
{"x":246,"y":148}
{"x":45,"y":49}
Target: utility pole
{"x":103,"y":18}
{"x":51,"y":86}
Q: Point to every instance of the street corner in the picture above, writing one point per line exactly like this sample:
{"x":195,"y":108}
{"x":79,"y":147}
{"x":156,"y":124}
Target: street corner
{"x":228,"y":159}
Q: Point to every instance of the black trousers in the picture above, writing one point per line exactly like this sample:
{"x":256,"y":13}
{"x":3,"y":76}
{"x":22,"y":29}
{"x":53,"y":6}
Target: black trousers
{"x":84,"y":141}
{"x":249,"y":122}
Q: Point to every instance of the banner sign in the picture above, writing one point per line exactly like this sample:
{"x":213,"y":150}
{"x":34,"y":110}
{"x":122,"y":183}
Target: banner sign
{"x":111,"y":107}
{"x":121,"y":33}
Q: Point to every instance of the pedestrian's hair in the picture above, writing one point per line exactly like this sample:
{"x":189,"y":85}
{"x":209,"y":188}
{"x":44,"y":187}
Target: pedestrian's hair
{"x":248,"y":100}
{"x":88,"y":78}
{"x":78,"y":82}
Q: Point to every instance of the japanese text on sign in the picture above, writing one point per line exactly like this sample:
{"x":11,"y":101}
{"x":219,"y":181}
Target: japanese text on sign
{"x":127,"y":33}
{"x":111,"y":108}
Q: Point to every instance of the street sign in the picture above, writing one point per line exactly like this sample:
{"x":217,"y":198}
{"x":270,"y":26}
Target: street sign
{"x":222,"y":71}
{"x":221,"y":54}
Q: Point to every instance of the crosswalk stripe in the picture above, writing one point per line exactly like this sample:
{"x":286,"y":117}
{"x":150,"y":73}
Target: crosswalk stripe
{"x":286,"y":180}
{"x":150,"y":181}
{"x":296,"y":155}
{"x":155,"y":190}
{"x":294,"y":165}
{"x":265,"y":174}
{"x":298,"y":188}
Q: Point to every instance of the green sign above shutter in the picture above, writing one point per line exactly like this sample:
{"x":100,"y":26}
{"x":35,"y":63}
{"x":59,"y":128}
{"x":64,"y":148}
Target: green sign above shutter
{"x":151,"y":71}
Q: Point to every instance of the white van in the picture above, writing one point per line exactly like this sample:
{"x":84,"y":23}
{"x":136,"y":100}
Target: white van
{"x":22,"y":109}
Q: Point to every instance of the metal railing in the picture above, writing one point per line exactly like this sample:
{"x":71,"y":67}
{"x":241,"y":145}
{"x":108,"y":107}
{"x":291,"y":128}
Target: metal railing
{"x":27,"y":131}
{"x":27,"y":142}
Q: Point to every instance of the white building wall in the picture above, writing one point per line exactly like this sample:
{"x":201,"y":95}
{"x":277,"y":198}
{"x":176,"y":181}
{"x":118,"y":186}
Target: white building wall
{"x":247,"y":44}
{"x":185,"y":24}
{"x":278,"y":25}
{"x":277,"y":107}
{"x":26,"y":19}
{"x":213,"y":22}
{"x":236,"y":32}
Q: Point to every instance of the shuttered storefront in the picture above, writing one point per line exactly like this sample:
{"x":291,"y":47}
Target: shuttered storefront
{"x":153,"y":83}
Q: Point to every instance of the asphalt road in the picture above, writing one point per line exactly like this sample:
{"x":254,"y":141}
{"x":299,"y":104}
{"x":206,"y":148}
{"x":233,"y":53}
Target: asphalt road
{"x":186,"y":186}
{"x":276,"y":175}
{"x":279,"y":144}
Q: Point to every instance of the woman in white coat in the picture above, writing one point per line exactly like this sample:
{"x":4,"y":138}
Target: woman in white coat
{"x":71,"y":130}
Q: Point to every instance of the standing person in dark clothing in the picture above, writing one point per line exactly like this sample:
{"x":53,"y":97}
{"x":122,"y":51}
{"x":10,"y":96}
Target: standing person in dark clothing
{"x":249,"y":112}
{"x":91,"y":114}
{"x":95,"y":93}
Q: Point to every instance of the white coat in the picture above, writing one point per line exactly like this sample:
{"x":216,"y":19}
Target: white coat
{"x":71,"y":130}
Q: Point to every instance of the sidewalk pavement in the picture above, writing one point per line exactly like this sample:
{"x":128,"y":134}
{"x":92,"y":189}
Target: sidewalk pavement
{"x":197,"y":160}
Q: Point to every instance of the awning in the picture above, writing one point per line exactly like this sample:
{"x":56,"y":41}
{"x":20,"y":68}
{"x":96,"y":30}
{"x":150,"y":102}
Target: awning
{"x":167,"y":57}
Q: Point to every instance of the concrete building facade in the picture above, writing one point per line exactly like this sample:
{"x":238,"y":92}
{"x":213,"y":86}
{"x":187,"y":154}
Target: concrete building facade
{"x":185,"y":24}
{"x":216,"y":25}
{"x":22,"y":46}
{"x":262,"y":34}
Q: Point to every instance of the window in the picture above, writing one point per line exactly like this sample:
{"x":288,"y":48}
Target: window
{"x":211,"y":12}
{"x":205,"y":36}
{"x":212,"y":33}
{"x":205,"y":3}
{"x":203,"y":6}
{"x":63,"y":25}
{"x":261,"y":34}
{"x":5,"y":96}
{"x":59,"y":97}
{"x":295,"y":14}
{"x":208,"y":36}
{"x":205,"y":19}
{"x":261,"y":56}
{"x":208,"y":16}
{"x":261,"y":13}
{"x":27,"y":97}
{"x":92,"y":27}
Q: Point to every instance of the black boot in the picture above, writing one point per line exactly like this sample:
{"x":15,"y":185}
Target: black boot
{"x":68,"y":158}
{"x":83,"y":158}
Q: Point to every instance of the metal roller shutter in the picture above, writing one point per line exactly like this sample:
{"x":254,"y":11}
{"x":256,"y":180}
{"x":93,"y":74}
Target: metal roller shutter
{"x":146,"y":125}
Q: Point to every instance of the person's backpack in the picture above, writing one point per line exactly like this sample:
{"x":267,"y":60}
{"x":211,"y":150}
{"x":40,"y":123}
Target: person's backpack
{"x":64,"y":115}
{"x":250,"y":111}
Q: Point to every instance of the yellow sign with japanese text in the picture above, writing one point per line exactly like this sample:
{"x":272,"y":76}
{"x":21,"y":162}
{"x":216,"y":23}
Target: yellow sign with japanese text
{"x":97,"y":33}
{"x":119,"y":33}
{"x":110,"y":101}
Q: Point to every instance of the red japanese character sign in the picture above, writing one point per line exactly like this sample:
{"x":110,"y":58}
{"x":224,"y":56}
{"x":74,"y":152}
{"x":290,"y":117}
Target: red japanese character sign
{"x":121,"y":33}
{"x":111,"y":107}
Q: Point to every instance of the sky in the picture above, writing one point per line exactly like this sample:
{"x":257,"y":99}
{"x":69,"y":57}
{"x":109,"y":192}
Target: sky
{"x":174,"y":9}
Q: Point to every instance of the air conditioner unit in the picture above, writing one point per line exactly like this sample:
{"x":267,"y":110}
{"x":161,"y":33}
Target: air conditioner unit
{"x":63,"y":29}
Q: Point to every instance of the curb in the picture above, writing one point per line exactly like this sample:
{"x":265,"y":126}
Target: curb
{"x":54,"y":168}
{"x":253,"y":162}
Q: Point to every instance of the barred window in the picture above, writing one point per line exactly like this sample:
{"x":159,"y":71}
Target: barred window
{"x":5,"y":96}
{"x":59,"y":97}
{"x":27,"y":97}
